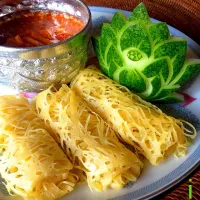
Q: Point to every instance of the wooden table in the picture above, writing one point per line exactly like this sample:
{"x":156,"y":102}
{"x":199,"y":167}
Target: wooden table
{"x":185,"y":16}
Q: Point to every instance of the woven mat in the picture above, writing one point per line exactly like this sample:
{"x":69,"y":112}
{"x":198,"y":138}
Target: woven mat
{"x":181,"y":14}
{"x":185,"y":16}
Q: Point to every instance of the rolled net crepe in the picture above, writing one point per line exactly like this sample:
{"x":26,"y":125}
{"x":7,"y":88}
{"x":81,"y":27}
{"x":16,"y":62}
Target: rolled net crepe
{"x":137,"y":122}
{"x":87,"y":140}
{"x":31,"y":162}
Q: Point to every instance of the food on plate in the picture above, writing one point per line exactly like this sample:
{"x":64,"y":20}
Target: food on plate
{"x":31,"y":162}
{"x":37,"y":28}
{"x":138,"y":123}
{"x":99,"y":128}
{"x":87,"y":140}
{"x":143,"y":56}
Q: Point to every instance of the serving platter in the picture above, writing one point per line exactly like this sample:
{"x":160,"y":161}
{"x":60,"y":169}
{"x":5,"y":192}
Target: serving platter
{"x":153,"y":180}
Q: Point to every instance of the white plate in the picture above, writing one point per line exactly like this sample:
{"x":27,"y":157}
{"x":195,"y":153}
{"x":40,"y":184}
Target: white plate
{"x":153,"y":180}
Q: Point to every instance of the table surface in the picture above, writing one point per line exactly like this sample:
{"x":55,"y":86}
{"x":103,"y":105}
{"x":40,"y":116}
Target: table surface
{"x":185,"y":16}
{"x":181,"y":14}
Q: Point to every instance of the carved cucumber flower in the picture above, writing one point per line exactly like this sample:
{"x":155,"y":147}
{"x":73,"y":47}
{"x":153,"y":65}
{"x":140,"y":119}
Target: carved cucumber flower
{"x":142,"y":56}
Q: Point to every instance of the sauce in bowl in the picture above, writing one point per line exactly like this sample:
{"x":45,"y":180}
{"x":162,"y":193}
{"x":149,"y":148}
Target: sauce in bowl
{"x":37,"y":28}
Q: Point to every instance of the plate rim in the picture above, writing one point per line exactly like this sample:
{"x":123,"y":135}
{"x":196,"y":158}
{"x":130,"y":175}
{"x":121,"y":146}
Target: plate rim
{"x":196,"y":154}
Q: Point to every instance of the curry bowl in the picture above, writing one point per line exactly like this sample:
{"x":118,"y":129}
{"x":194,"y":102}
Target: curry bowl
{"x":36,"y":67}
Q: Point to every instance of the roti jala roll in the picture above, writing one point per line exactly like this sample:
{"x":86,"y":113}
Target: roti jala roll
{"x":138,"y":123}
{"x":87,"y":140}
{"x":31,"y":162}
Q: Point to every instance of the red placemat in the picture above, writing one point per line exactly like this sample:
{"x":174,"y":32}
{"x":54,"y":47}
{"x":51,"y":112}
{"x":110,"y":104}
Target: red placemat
{"x":185,"y":16}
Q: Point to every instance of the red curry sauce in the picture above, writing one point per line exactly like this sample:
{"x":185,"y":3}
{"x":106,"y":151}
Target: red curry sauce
{"x":36,"y":28}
